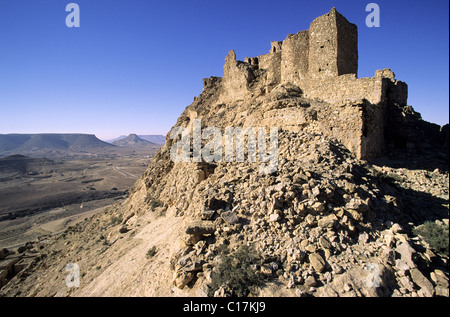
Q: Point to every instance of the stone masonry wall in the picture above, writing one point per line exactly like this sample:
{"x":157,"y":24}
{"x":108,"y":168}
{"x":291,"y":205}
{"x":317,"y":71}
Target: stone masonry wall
{"x":294,"y":57}
{"x":271,"y":62}
{"x":236,"y":77}
{"x":345,"y":88}
{"x":333,"y":46}
{"x":347,"y":51}
{"x":358,"y":126}
{"x":343,"y":122}
{"x":322,"y":53}
{"x":348,"y":88}
{"x":323,"y":47}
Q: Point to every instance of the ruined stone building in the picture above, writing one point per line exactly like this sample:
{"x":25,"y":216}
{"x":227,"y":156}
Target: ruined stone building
{"x":363,"y":113}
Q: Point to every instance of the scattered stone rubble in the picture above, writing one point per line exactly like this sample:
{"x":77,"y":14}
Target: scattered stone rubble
{"x":320,"y":223}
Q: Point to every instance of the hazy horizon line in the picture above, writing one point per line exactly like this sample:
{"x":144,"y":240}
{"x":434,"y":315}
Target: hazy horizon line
{"x":101,"y":137}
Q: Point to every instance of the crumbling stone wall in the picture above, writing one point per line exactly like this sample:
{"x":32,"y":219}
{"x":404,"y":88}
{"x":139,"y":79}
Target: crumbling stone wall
{"x":271,"y":62}
{"x":323,"y":61}
{"x":347,"y":88}
{"x":236,"y":77}
{"x":328,"y":49}
{"x":357,"y":125}
{"x":212,"y":81}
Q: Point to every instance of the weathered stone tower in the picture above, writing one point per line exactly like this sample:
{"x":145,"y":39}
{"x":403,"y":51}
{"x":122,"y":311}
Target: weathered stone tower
{"x":333,"y":46}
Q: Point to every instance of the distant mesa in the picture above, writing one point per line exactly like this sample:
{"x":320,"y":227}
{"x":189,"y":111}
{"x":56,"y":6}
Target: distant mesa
{"x":133,"y":141}
{"x":60,"y":145}
{"x":29,"y":143}
{"x":157,"y":139}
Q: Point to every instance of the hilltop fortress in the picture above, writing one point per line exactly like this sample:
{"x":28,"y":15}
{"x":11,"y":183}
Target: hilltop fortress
{"x":321,"y":64}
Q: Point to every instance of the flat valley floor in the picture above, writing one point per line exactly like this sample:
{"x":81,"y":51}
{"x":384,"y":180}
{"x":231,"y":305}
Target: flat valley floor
{"x":40,"y":197}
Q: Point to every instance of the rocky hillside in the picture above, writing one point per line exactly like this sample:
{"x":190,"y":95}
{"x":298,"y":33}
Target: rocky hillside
{"x":322,"y":222}
{"x":320,"y":225}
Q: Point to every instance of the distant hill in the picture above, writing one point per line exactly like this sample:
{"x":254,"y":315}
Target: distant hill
{"x":154,"y":138}
{"x":116,"y":139}
{"x":134,"y":141}
{"x":29,"y":143}
{"x":158,"y":139}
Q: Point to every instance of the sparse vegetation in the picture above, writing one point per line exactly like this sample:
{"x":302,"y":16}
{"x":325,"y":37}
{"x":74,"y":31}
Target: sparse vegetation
{"x":115,"y":220}
{"x":151,"y":252}
{"x":436,"y":235}
{"x":155,"y":204}
{"x":387,"y":177}
{"x":158,"y":206}
{"x":237,"y":272}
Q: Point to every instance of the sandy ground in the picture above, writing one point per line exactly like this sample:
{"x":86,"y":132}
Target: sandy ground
{"x":135,"y":274}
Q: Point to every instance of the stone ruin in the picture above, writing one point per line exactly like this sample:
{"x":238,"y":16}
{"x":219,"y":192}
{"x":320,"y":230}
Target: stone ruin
{"x":365,"y":114}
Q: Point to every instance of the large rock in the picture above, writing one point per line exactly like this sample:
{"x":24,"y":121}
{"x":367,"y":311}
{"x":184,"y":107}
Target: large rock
{"x":439,"y":277}
{"x":189,"y":263}
{"x":325,"y":243}
{"x":200,"y":227}
{"x":317,"y":262}
{"x":182,"y":278}
{"x":357,"y":204}
{"x":318,"y":207}
{"x":406,"y":252}
{"x":3,"y":253}
{"x":328,"y":221}
{"x":420,"y":280}
{"x":274,"y":217}
{"x":230,"y":217}
{"x":208,"y":214}
{"x":372,"y":280}
{"x":355,"y":215}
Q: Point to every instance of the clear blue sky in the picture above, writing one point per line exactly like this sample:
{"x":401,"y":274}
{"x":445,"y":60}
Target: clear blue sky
{"x":134,"y":65}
